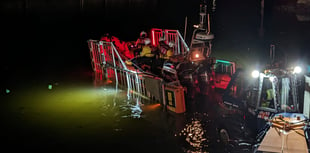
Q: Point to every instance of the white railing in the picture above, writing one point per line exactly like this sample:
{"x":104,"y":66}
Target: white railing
{"x":180,"y":46}
{"x":95,"y":56}
{"x":107,"y":62}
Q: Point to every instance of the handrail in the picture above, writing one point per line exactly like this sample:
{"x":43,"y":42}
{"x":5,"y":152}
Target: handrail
{"x":116,"y":52}
{"x":183,"y":41}
{"x":108,"y":61}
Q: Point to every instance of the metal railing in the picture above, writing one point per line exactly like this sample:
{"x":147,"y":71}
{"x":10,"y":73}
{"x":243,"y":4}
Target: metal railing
{"x":180,"y":46}
{"x":107,"y":61}
{"x":95,"y":56}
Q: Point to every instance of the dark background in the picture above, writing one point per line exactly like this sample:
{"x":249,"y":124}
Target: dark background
{"x":46,"y":38}
{"x":45,"y":42}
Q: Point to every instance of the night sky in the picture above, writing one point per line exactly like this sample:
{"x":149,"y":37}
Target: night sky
{"x":43,"y":32}
{"x":46,"y":39}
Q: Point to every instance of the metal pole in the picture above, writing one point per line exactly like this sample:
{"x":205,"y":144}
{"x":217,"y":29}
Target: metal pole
{"x":209,"y":29}
{"x":261,"y":31}
{"x":193,"y":36}
{"x":272,"y":53}
{"x":114,"y":64}
{"x":82,"y":4}
{"x":185,"y":27}
{"x":164,"y":98}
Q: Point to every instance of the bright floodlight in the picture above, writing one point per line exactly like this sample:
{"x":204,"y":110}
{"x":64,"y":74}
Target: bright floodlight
{"x":255,"y":74}
{"x":297,"y":69}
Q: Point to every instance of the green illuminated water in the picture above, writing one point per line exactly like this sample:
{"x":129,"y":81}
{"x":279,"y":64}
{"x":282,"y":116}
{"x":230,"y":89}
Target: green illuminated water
{"x":76,"y":116}
{"x":86,"y":115}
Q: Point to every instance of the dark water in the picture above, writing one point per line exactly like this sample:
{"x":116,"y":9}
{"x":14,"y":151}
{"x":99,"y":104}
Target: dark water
{"x":46,"y":43}
{"x":76,"y":117}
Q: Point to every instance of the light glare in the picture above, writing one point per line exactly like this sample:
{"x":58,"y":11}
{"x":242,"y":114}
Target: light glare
{"x":297,"y":69}
{"x":255,"y":74}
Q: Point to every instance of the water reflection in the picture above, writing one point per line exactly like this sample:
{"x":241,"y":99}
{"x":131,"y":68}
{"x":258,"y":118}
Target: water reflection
{"x":195,"y":136}
{"x":124,"y":106}
{"x":198,"y":134}
{"x":193,"y":131}
{"x":98,"y":113}
{"x":133,"y":109}
{"x":120,"y":108}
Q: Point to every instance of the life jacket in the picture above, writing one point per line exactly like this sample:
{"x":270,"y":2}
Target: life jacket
{"x":167,"y":54}
{"x":146,"y":51}
{"x":163,"y":47}
{"x":270,"y":94}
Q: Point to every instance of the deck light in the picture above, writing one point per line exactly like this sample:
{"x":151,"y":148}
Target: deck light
{"x":297,"y":69}
{"x":255,"y":74}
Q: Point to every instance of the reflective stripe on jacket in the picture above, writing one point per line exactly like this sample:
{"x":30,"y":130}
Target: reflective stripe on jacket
{"x":270,"y":94}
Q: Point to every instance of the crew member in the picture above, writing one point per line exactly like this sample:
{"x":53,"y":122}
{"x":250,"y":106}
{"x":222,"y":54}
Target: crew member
{"x":144,"y":55}
{"x":167,"y":53}
{"x":140,"y":43}
{"x":147,"y":49}
{"x":268,"y":98}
